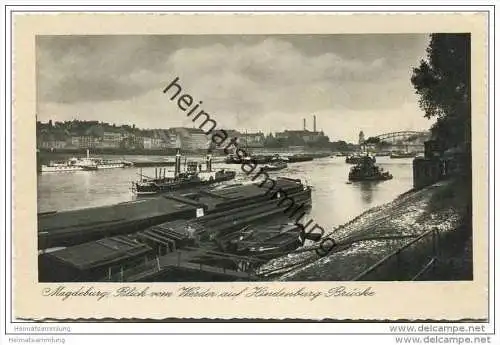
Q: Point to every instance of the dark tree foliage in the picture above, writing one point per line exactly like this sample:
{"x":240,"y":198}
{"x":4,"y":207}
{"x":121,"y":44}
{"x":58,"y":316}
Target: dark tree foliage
{"x":443,"y":83}
{"x":372,"y":140}
{"x":342,"y":146}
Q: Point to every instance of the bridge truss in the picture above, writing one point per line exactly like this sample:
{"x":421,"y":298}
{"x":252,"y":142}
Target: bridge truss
{"x":402,"y":136}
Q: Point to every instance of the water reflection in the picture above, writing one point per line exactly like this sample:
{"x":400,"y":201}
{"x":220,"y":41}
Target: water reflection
{"x":367,"y":189}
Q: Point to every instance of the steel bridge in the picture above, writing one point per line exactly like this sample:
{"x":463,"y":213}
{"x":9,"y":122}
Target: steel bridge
{"x":402,"y":135}
{"x":404,"y":139}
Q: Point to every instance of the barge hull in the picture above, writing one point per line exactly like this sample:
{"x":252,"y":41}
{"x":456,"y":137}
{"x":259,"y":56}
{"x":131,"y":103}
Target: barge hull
{"x":60,"y":229}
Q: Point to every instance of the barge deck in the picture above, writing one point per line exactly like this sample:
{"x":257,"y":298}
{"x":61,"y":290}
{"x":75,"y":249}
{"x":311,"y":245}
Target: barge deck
{"x":57,"y":229}
{"x":227,"y":233}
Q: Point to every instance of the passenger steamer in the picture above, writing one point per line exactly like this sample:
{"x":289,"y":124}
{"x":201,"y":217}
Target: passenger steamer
{"x":81,"y":164}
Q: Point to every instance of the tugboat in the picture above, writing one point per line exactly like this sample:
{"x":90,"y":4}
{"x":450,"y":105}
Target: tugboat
{"x":356,"y":159}
{"x":366,"y":170}
{"x":192,"y":177}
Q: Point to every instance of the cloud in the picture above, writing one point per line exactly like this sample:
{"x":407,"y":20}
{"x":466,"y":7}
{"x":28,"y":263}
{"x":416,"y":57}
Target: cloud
{"x":242,"y":79}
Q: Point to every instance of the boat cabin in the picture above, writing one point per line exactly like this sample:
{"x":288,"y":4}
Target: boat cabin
{"x":92,"y":260}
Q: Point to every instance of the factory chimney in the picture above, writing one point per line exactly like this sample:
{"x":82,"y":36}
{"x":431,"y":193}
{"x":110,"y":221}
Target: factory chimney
{"x":314,"y":123}
{"x":304,"y":124}
{"x":209,"y":162}
{"x":177,"y":163}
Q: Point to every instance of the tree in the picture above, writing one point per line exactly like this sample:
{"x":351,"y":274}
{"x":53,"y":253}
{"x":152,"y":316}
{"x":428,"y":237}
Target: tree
{"x":383,"y":144}
{"x":372,"y":140}
{"x":442,"y":82}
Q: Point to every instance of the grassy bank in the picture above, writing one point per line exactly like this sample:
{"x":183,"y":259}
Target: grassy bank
{"x":382,"y":230}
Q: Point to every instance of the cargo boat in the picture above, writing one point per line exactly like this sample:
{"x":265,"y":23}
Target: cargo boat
{"x":199,"y":246}
{"x":193,"y":177}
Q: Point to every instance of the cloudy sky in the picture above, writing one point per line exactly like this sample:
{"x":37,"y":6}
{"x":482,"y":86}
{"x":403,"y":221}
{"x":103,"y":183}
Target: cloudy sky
{"x":268,"y":83}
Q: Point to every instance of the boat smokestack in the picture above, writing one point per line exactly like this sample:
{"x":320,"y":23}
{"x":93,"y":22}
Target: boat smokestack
{"x":209,"y":162}
{"x":177,"y":163}
{"x":314,"y":123}
{"x":304,"y":120}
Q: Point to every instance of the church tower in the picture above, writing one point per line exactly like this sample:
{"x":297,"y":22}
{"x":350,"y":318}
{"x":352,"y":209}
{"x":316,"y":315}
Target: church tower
{"x":361,"y":138}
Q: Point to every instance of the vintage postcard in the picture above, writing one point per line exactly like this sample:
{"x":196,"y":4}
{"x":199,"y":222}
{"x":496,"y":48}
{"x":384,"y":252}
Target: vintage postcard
{"x":250,"y":166}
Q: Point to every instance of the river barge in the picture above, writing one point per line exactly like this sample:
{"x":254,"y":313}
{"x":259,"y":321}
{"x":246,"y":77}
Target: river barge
{"x":383,"y":154}
{"x":147,"y":164}
{"x":253,"y":159}
{"x":77,"y":226}
{"x":274,"y":165}
{"x":67,"y":228}
{"x":396,"y":155}
{"x":204,"y":243}
{"x":265,"y":159}
{"x":297,"y":158}
{"x":192,"y":177}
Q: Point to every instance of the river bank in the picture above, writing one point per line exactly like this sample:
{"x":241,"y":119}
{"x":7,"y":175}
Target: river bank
{"x":44,"y":157}
{"x":382,"y":230}
{"x":66,"y":152}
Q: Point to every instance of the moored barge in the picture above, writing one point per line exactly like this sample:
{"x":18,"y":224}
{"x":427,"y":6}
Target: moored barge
{"x":396,"y":155}
{"x":265,"y":159}
{"x":274,"y":165}
{"x":202,"y":243}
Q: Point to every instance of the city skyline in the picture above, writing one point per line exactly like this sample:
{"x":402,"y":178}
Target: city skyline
{"x":267,"y":83}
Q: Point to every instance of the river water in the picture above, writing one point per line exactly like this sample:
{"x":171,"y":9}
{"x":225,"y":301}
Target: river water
{"x":334,"y":201}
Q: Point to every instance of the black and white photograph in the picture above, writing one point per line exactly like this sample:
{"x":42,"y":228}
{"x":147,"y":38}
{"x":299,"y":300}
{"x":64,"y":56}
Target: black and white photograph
{"x":254,"y":158}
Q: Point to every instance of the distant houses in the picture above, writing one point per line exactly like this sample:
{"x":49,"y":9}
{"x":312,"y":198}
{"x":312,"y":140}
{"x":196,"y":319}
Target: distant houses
{"x":75,"y":135}
{"x":253,"y":140}
{"x":302,"y":137}
{"x":93,"y":135}
{"x":190,"y":139}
